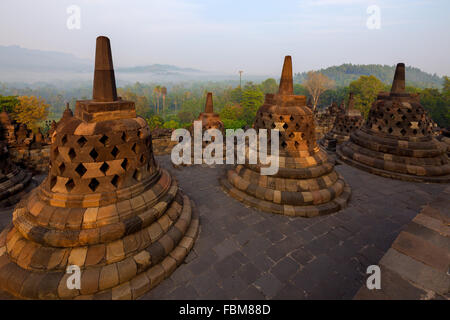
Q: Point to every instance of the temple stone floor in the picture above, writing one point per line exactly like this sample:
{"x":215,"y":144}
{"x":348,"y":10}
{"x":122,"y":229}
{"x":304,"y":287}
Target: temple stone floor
{"x":242,"y":253}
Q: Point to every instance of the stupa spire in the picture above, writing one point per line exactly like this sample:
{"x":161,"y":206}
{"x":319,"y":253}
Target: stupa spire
{"x":286,"y":81}
{"x":104,"y":80}
{"x":351,"y":103}
{"x":398,"y":85}
{"x":209,"y":103}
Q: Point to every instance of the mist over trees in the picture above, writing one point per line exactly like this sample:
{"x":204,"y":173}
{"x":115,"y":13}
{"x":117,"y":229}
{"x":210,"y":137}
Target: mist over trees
{"x":175,"y":105}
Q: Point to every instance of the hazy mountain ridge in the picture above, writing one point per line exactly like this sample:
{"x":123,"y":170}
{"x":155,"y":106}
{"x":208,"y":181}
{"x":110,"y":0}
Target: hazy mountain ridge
{"x":346,"y":73}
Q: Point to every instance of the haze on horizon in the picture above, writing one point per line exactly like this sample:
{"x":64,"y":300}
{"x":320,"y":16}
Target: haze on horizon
{"x":227,"y":36}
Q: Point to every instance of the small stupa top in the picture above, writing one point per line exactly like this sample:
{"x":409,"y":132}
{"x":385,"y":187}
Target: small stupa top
{"x":105,"y":104}
{"x":210,"y":120}
{"x":399,"y":113}
{"x":67,"y":114}
{"x":289,"y":114}
{"x":351,"y":110}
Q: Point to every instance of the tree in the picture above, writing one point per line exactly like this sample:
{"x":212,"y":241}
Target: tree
{"x":30,"y":111}
{"x":365,"y":91}
{"x":317,"y":83}
{"x":164,"y":93}
{"x":269,"y":86}
{"x":8,"y":103}
{"x":252,"y":99}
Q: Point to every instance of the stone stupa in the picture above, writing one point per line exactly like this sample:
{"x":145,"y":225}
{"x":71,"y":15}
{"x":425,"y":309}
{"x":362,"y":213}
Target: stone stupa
{"x":106,"y":207}
{"x":210,"y":120}
{"x":347,"y":120}
{"x":306,"y":183}
{"x":396,"y":141}
{"x":14,"y":181}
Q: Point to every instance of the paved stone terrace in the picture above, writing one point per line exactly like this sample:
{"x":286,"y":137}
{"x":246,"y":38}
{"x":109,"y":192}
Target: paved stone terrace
{"x":242,"y":253}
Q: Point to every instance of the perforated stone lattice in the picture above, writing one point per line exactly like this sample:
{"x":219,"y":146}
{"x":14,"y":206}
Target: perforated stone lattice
{"x":97,"y":163}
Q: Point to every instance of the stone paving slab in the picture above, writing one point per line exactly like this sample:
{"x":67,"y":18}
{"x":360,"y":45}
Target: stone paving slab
{"x":417,"y":266}
{"x":243,"y":253}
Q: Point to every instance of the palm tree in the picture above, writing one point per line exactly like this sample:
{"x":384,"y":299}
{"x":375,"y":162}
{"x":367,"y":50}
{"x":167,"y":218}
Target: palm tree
{"x":157,"y":92}
{"x":164,"y":92}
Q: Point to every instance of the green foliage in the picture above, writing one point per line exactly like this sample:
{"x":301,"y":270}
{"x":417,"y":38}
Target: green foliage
{"x":8,"y":103}
{"x":252,"y":99}
{"x":365,"y":90}
{"x":154,"y":122}
{"x":437,"y":105}
{"x":269,"y":86}
{"x":172,"y":124}
{"x":344,"y":74}
{"x":233,"y":124}
{"x":300,"y":90}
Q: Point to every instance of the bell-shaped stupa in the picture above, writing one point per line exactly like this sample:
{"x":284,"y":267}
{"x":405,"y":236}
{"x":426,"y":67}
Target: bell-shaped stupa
{"x":106,"y":208}
{"x":306,"y":183}
{"x":396,"y":140}
{"x":347,"y":120}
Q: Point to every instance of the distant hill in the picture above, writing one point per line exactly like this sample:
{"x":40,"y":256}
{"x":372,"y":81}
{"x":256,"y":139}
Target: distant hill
{"x":158,"y":69}
{"x":346,"y":73}
{"x":18,"y":59}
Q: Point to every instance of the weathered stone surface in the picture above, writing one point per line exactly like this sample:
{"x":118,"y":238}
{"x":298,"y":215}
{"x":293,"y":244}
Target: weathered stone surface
{"x":397,"y":140}
{"x":306,"y":183}
{"x":103,"y":206}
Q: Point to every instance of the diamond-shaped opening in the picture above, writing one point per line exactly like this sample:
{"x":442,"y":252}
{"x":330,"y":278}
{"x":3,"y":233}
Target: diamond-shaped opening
{"x":297,"y":126}
{"x":390,"y":130}
{"x":82,"y":141}
{"x":142,"y":157}
{"x":124,"y":164}
{"x":403,"y":132}
{"x":104,"y":167}
{"x":403,"y":118}
{"x":52,"y":182}
{"x":55,"y":152}
{"x":124,"y":136}
{"x":64,"y":139}
{"x":296,"y":144}
{"x":62,"y":167}
{"x":93,"y":154}
{"x":134,"y":148}
{"x":115,"y":181}
{"x":93,"y":184}
{"x":137,"y":175}
{"x":72,"y":153}
{"x":273,"y":125}
{"x":291,"y":135}
{"x":70,"y":185}
{"x":80,"y":169}
{"x":285,"y":126}
{"x":291,"y":118}
{"x":415,"y":131}
{"x":284,"y":144}
{"x":104,"y":139}
{"x":398,"y":124}
{"x":115,"y":151}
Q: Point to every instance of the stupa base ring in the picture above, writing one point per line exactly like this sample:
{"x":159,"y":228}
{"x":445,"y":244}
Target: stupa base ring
{"x":309,"y":211}
{"x":390,"y":174}
{"x":26,"y":284}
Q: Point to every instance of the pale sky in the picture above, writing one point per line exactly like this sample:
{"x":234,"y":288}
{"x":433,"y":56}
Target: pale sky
{"x":229,"y":35}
